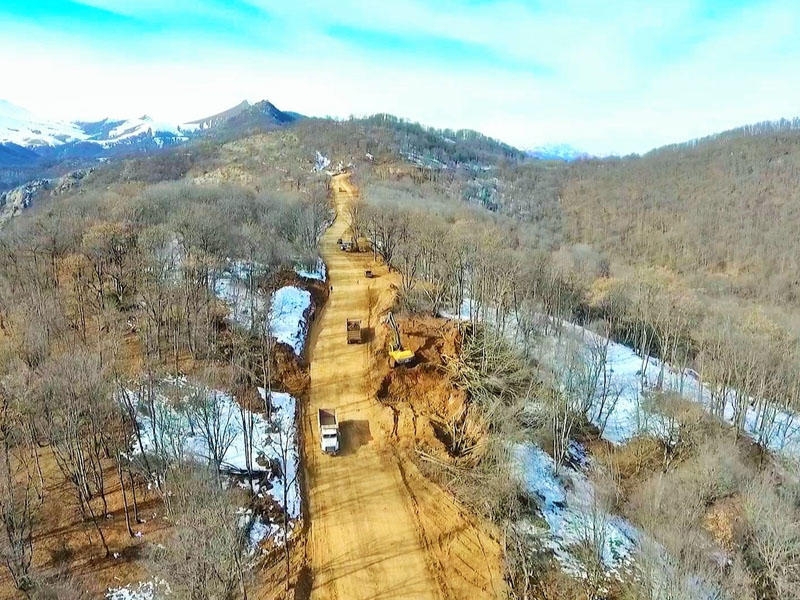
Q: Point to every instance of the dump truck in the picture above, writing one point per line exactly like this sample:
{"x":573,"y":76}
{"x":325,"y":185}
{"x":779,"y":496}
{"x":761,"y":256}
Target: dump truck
{"x":397,"y":354}
{"x":328,"y":430}
{"x":353,"y":331}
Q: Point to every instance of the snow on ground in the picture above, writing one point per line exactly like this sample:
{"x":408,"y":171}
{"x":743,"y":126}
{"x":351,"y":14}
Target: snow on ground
{"x":285,"y":439}
{"x":567,"y":500}
{"x":185,"y":421}
{"x":287,"y":307}
{"x":578,"y":527}
{"x":318,"y":273}
{"x":570,"y":508}
{"x":259,"y":530}
{"x":145,"y":590}
{"x":631,"y":379}
{"x":287,"y":316}
{"x":568,"y":503}
{"x":232,"y":287}
{"x":321,"y":162}
{"x":464,"y":312}
{"x":620,"y":407}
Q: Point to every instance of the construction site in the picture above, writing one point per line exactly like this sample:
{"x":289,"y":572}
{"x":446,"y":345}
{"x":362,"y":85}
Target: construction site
{"x":378,"y":528}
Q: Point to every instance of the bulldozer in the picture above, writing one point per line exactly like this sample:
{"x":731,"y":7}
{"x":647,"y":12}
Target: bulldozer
{"x":397,"y":355}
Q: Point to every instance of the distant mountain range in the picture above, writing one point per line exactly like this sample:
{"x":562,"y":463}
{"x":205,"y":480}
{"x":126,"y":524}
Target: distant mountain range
{"x":29,"y":144}
{"x":563,"y":152}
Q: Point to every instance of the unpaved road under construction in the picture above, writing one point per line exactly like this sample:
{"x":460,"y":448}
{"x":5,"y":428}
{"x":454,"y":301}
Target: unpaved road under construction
{"x":378,"y":529}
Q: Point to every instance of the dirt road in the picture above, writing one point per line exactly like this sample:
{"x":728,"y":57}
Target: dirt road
{"x":377,"y":529}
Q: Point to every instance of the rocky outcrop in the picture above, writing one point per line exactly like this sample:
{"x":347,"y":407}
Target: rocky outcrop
{"x":16,"y":200}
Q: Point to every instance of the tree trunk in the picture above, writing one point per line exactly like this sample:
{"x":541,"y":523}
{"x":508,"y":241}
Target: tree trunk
{"x":124,"y":498}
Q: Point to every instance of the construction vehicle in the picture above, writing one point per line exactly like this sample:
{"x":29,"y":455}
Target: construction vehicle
{"x":368,"y":274}
{"x":397,"y":354}
{"x":328,"y":430}
{"x":353,"y":331}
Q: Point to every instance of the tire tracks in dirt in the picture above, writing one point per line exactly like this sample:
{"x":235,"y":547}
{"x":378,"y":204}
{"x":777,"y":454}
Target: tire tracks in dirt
{"x":377,"y":529}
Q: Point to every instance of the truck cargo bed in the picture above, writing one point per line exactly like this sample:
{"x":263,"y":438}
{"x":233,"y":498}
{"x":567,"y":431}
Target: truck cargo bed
{"x":327,"y":417}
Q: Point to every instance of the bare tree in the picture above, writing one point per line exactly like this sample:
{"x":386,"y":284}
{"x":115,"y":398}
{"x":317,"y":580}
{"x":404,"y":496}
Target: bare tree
{"x":774,"y":536}
{"x":203,"y":557}
{"x":19,"y":500}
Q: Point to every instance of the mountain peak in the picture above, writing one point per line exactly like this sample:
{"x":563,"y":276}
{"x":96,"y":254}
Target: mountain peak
{"x":245,"y":115}
{"x":563,"y":152}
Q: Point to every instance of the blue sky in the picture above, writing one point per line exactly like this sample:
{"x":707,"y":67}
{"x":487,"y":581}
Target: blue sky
{"x":606,"y":76}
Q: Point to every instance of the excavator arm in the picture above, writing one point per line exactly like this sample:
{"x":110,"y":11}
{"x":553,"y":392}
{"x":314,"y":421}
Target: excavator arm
{"x":397,"y":355}
{"x":396,"y":344}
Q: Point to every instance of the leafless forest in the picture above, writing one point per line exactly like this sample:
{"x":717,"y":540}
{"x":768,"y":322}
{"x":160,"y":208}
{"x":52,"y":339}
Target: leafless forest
{"x":688,"y":255}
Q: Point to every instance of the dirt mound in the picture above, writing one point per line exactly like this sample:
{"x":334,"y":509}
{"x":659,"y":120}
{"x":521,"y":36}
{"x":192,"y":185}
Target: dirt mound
{"x":723,"y":521}
{"x":420,"y":395}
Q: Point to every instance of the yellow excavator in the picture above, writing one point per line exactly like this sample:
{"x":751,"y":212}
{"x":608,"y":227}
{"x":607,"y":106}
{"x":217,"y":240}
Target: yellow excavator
{"x":397,"y":355}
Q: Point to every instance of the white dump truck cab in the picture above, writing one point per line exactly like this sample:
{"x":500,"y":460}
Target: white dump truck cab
{"x":328,"y":430}
{"x":330,"y":442}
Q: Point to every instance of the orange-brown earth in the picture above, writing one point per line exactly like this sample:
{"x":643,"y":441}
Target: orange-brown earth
{"x":378,"y":528}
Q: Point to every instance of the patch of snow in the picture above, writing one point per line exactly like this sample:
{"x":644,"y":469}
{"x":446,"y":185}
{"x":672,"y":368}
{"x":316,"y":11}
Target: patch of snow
{"x":287,"y":316}
{"x":183,"y":421}
{"x":287,"y":312}
{"x":317,"y":273}
{"x":258,"y":530}
{"x":632,"y":378}
{"x":233,"y":286}
{"x":321,"y":162}
{"x":567,"y":500}
{"x":144,"y":590}
{"x":578,"y":455}
{"x":465,"y":312}
{"x":572,"y":513}
{"x":621,"y":408}
{"x":283,"y":442}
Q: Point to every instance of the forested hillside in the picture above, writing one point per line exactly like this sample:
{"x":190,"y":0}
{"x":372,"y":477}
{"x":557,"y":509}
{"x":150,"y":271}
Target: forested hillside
{"x":140,"y":312}
{"x":624,"y":360}
{"x":686,"y":256}
{"x":726,"y":208}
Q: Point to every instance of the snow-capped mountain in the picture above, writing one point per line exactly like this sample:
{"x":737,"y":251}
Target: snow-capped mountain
{"x":29,"y":142}
{"x":111,"y":132}
{"x":18,"y":126}
{"x":563,"y":152}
